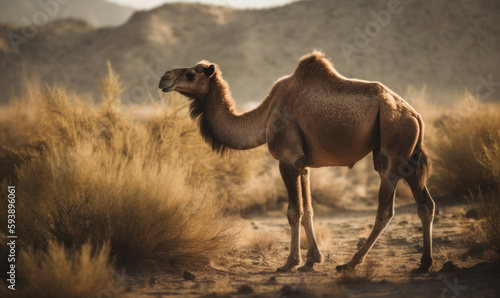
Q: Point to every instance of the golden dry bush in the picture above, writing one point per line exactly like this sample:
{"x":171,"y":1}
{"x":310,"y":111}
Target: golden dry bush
{"x":58,"y":272}
{"x":486,"y":232}
{"x":465,"y":150}
{"x":466,"y":158}
{"x":89,"y":175}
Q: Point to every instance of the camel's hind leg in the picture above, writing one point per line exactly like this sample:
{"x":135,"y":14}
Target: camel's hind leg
{"x":385,"y":213}
{"x":313,"y":254}
{"x":425,"y":208}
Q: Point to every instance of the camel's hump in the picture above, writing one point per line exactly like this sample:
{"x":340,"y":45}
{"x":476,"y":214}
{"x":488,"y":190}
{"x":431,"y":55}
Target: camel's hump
{"x":314,"y":63}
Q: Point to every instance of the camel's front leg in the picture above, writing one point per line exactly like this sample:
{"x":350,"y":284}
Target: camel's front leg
{"x":313,"y":254}
{"x":291,"y":177}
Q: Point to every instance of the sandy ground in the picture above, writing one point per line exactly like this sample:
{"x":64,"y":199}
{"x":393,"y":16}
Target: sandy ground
{"x":249,"y":269}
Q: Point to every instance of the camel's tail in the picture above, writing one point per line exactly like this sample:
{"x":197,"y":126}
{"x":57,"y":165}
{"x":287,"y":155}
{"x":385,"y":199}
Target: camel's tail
{"x":419,"y":158}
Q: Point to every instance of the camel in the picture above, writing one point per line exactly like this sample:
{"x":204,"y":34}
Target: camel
{"x":314,"y":118}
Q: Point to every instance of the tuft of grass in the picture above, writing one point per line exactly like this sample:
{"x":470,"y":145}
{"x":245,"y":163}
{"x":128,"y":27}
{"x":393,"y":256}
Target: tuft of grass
{"x":261,"y":243}
{"x":466,"y":149}
{"x":486,"y":233}
{"x":58,"y":272}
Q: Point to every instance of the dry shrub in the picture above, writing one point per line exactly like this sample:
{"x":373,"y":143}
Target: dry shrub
{"x":87,"y":174}
{"x":147,"y":214}
{"x":466,"y":153}
{"x":58,"y":272}
{"x":465,"y":149}
{"x":486,"y":233}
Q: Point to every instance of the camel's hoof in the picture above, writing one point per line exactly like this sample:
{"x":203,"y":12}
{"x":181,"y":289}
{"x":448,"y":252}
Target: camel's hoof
{"x":306,"y":268}
{"x":343,"y":268}
{"x":421,"y":270}
{"x":286,"y":269}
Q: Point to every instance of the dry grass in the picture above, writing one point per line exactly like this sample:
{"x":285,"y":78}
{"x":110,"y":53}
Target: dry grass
{"x":58,"y":272}
{"x":486,"y":232}
{"x":88,"y":176}
{"x":466,"y":151}
{"x":261,"y":243}
{"x":466,"y":148}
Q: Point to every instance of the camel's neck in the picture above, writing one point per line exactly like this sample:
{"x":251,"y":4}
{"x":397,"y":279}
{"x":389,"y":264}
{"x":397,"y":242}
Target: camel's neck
{"x":224,"y":128}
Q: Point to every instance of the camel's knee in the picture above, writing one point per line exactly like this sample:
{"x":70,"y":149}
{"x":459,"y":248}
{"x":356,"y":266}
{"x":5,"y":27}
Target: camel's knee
{"x":429,"y":201}
{"x":426,"y":206}
{"x":385,"y":215}
{"x":426,"y":212}
{"x":294,"y":216}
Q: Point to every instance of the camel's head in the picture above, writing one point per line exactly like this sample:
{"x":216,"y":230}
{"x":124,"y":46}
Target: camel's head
{"x":192,"y":81}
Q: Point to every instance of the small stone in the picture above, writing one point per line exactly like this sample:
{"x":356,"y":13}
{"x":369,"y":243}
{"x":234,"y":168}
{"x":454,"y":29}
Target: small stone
{"x":449,"y":267}
{"x":244,"y":289}
{"x":403,"y":223}
{"x":473,"y":214}
{"x":271,"y":281}
{"x":153,"y":281}
{"x":188,"y":275}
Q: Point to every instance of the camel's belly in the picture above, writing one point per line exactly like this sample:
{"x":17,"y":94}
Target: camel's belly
{"x":340,"y":144}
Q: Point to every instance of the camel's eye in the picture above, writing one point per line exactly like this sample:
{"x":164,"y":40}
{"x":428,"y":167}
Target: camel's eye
{"x":190,"y":75}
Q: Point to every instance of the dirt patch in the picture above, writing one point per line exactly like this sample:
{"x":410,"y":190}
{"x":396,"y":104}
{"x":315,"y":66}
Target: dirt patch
{"x":385,"y":273}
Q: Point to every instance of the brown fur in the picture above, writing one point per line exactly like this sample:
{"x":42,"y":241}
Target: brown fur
{"x":218,"y":89}
{"x":419,"y":156}
{"x":314,"y":118}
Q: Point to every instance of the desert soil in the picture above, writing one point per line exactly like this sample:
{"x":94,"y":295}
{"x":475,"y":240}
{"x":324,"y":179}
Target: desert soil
{"x":249,"y":269}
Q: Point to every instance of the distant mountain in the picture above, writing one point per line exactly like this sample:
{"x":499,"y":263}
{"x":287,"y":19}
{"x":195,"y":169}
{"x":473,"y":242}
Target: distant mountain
{"x":445,"y":45}
{"x":97,"y":12}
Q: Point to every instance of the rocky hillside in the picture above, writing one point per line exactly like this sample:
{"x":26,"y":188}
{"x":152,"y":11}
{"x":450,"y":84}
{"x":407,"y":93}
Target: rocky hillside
{"x":445,"y":45}
{"x":96,"y":12}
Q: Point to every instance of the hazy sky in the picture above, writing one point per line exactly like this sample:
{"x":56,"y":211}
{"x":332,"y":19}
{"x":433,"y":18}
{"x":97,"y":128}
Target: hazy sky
{"x":146,"y":4}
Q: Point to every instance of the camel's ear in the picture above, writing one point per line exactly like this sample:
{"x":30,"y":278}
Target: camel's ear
{"x":209,"y":71}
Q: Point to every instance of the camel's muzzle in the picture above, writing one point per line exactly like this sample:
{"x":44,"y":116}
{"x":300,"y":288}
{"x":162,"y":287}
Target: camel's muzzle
{"x":167,"y":88}
{"x":167,"y":82}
